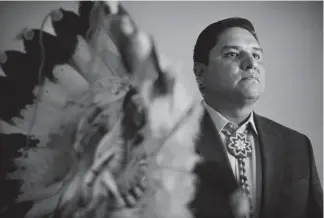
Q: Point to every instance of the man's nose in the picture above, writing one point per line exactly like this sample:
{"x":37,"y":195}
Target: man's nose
{"x":248,"y":62}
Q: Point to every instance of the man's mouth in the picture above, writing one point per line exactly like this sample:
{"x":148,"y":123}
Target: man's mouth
{"x":250,"y":78}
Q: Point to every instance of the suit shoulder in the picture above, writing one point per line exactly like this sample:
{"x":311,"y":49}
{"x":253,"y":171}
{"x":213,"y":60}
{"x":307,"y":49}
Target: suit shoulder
{"x":284,"y":130}
{"x":292,"y":142}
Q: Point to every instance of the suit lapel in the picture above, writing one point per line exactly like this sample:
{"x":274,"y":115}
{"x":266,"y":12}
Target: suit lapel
{"x":258,"y":181}
{"x":271,"y":149}
{"x":214,"y":174}
{"x":211,"y":148}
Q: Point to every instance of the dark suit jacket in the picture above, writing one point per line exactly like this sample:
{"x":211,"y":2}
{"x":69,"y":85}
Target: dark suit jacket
{"x":288,"y":184}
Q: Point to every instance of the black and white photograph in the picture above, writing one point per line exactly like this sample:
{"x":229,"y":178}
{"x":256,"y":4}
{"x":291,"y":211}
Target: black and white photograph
{"x":161,"y":109}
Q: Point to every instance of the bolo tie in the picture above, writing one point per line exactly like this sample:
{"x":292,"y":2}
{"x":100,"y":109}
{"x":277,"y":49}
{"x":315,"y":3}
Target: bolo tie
{"x":239,"y":146}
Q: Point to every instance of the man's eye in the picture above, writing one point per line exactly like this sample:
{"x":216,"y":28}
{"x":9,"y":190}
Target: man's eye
{"x":256,"y":56}
{"x":231,"y":54}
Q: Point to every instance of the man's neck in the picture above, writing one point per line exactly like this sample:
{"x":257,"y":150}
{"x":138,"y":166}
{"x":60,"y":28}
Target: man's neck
{"x":236,"y":113}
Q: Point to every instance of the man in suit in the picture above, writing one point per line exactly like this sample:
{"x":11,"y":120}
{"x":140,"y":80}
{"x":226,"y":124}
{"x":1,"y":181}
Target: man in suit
{"x":277,"y":176}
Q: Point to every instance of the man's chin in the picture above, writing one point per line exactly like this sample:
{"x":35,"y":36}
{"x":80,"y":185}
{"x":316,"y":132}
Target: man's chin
{"x":252,"y":92}
{"x":250,"y":96}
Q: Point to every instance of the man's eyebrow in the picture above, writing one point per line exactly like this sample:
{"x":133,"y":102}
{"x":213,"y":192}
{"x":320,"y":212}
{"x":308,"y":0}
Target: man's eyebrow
{"x":226,"y":47}
{"x":258,"y":49}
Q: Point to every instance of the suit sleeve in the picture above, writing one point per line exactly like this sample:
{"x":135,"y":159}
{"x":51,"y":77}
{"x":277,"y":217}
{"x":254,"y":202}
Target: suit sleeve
{"x":315,"y":197}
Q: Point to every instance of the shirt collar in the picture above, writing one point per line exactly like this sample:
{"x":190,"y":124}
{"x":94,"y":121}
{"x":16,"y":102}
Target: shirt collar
{"x":220,"y":121}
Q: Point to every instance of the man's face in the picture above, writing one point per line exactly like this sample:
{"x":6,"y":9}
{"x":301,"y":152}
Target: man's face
{"x":235,"y":69}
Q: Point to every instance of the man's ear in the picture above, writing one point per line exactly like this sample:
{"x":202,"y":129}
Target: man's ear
{"x":199,"y":68}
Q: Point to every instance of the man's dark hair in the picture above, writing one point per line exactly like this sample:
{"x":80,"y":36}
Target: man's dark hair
{"x":207,"y":39}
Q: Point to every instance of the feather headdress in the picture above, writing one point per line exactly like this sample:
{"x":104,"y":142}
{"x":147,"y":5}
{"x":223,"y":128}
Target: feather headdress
{"x":92,"y":112}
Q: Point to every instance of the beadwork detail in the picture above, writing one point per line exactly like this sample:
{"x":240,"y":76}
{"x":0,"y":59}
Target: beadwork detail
{"x":239,"y":146}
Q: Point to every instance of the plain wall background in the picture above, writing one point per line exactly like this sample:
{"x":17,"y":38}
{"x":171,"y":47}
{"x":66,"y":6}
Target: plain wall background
{"x":291,"y":34}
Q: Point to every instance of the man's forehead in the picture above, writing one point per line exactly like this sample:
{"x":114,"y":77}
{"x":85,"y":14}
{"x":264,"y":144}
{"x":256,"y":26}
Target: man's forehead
{"x":237,"y":38}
